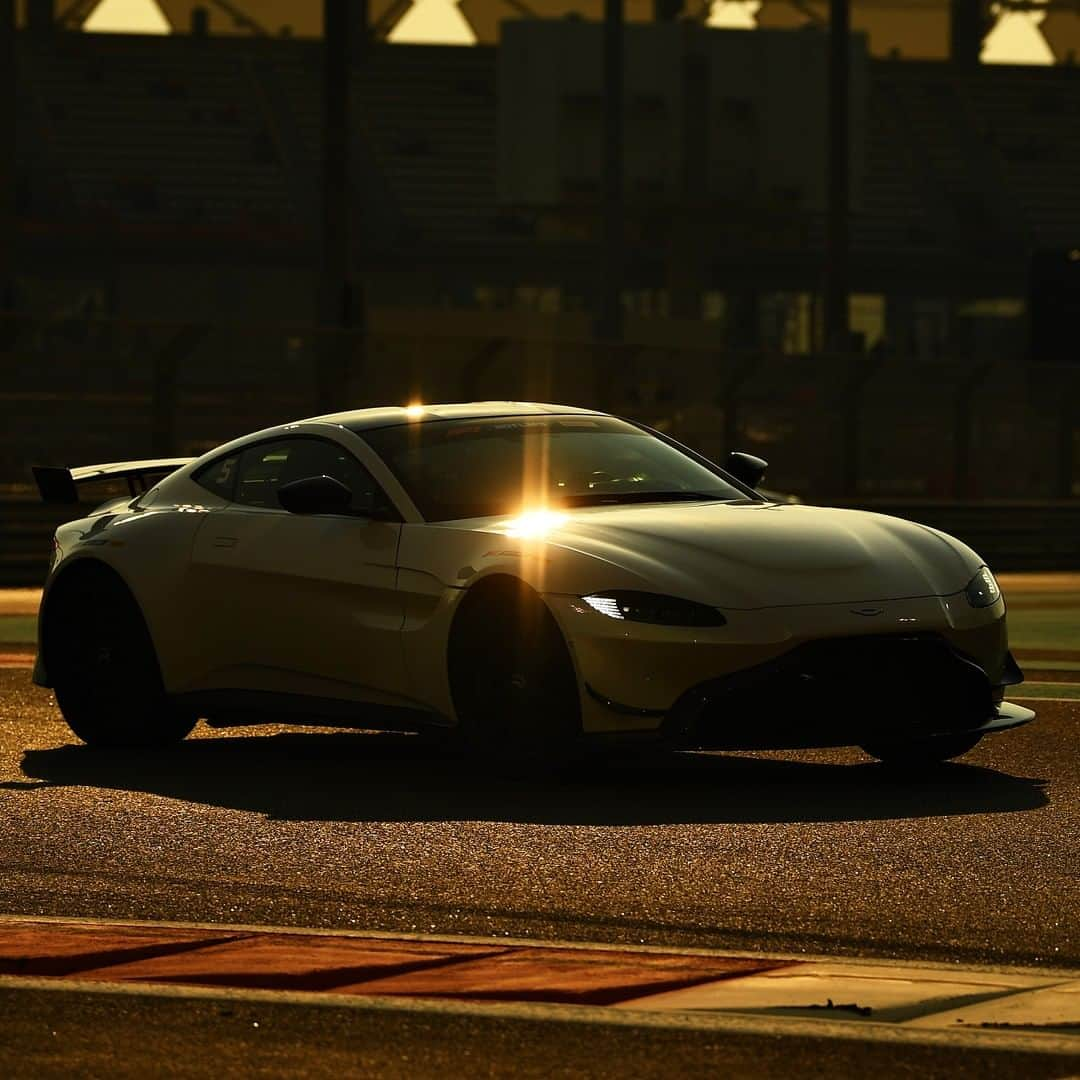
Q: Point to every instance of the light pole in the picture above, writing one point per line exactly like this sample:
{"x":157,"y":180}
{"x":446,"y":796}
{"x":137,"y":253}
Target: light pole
{"x":7,"y":155}
{"x":341,"y":302}
{"x":969,"y":21}
{"x":609,"y":315}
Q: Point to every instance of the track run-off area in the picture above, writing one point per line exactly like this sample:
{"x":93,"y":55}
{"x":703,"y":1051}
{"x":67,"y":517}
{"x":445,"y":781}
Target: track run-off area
{"x":764,"y":862}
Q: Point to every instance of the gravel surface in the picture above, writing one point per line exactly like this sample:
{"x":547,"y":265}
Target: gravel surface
{"x":47,"y":1034}
{"x":804,"y":852}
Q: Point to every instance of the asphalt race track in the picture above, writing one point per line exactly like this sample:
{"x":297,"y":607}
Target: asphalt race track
{"x":817,"y":852}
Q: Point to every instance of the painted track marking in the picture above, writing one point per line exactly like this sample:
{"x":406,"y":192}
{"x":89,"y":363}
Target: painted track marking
{"x":480,"y":967}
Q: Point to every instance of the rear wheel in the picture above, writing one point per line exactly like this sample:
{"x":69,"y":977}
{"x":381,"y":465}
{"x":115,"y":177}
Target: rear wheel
{"x":103,"y":666}
{"x":512,"y":678}
{"x":927,"y":751}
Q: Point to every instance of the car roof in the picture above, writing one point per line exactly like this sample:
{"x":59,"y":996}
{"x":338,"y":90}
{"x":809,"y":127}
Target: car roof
{"x":392,"y":416}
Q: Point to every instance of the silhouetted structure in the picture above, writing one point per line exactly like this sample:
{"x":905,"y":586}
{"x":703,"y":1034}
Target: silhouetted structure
{"x":7,"y":153}
{"x":839,"y":177}
{"x":139,"y":155}
{"x":1054,"y":300}
{"x":177,"y":274}
{"x":908,"y":29}
{"x":609,"y":320}
{"x":969,"y":23}
{"x":341,"y":302}
{"x":136,"y":153}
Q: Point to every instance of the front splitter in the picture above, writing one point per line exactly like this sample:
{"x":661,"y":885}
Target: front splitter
{"x":1009,"y":715}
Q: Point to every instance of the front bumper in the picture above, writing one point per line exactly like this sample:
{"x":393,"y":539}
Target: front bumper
{"x":750,"y":736}
{"x":846,"y":692}
{"x":635,"y":677}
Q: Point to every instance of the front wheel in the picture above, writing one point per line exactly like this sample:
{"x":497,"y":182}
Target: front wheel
{"x":512,"y":678}
{"x":915,"y":752}
{"x":103,"y":666}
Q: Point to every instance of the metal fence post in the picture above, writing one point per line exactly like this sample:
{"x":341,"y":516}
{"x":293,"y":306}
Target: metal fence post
{"x":165,"y":388}
{"x":730,"y":397}
{"x":7,"y":154}
{"x":1067,"y":421}
{"x":163,"y":405}
{"x":963,"y":425}
{"x":837,"y":178}
{"x":609,"y":320}
{"x":340,"y":307}
{"x":862,"y":370}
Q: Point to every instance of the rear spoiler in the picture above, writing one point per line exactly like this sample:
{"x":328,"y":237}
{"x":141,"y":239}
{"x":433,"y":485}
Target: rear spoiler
{"x":58,"y":484}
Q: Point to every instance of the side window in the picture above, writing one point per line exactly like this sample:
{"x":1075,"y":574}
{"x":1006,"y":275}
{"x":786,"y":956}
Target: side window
{"x":219,"y":476}
{"x":265,"y":468}
{"x":262,"y":471}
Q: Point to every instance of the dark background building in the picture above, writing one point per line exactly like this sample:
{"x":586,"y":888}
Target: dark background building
{"x":175,"y":259}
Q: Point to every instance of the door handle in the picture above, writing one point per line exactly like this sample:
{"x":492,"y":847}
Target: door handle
{"x":225,"y":541}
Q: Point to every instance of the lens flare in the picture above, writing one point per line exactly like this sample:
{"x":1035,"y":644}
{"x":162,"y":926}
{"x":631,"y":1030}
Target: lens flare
{"x":534,"y":523}
{"x":414,"y":410}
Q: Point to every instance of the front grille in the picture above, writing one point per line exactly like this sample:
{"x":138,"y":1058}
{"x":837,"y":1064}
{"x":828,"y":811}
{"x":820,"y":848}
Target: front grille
{"x":839,"y":691}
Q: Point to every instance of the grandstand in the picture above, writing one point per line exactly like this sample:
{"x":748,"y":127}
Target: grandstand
{"x":210,"y":147}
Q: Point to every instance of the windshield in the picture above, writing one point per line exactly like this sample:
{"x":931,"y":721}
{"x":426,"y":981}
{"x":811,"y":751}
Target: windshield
{"x":503,"y":465}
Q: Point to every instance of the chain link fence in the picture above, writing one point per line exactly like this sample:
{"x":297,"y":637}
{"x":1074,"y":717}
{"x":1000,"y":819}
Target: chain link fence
{"x":833,"y":427}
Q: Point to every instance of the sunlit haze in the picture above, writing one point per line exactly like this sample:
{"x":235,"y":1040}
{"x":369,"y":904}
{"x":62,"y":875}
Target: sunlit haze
{"x":127,"y":17}
{"x":1016,"y":39}
{"x":433,"y":22}
{"x":734,"y":14}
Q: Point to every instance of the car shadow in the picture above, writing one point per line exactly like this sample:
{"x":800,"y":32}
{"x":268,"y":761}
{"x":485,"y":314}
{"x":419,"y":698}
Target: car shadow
{"x":379,"y":777}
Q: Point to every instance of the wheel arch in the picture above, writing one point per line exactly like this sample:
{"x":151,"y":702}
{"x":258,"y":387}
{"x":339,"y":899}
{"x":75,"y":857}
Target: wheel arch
{"x":68,"y":576}
{"x":488,"y":589}
{"x":484,"y":590}
{"x":524,"y":623}
{"x":490,"y":585}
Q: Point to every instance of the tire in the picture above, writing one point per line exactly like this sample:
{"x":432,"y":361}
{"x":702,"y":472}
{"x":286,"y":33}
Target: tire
{"x":103,"y":666}
{"x":914,"y":752}
{"x":512,"y":679}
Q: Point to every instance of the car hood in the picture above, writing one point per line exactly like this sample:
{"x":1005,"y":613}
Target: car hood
{"x":754,"y":555}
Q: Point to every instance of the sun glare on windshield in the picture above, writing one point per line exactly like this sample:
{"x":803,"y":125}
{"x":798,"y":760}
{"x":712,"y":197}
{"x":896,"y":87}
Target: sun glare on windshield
{"x":535,"y":451}
{"x":500,"y":466}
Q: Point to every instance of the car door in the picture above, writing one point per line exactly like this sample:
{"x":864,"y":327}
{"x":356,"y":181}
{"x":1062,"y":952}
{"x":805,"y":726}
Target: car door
{"x":295,"y":603}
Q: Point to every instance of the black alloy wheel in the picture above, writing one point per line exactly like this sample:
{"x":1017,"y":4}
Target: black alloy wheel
{"x":512,"y":679}
{"x":103,"y":667}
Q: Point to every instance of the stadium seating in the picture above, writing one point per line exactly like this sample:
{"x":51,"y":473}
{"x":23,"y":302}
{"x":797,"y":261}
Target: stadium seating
{"x":224,"y":134}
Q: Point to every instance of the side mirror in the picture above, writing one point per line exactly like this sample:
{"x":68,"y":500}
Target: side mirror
{"x":315,"y":495}
{"x":747,"y":468}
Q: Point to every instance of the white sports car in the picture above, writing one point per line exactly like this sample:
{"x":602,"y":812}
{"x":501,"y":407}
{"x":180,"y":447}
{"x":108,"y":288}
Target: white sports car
{"x":534,"y":577}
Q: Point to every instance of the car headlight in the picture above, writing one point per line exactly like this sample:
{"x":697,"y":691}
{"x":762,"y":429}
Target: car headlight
{"x":650,"y":608}
{"x":982,"y":590}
